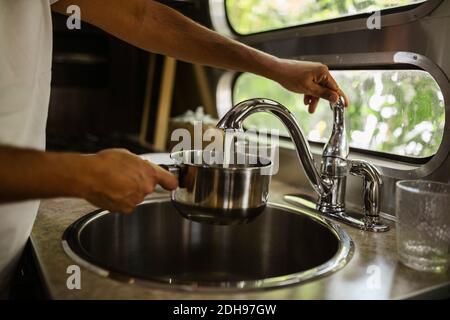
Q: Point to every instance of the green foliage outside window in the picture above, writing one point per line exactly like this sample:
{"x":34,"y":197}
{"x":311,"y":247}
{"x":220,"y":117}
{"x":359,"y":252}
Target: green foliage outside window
{"x":251,"y":16}
{"x":394,"y":111}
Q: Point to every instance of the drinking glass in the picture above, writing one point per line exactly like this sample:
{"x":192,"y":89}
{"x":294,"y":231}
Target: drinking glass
{"x":423,"y":224}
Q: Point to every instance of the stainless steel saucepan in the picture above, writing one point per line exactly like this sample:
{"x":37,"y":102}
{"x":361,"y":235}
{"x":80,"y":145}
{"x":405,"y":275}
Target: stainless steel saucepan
{"x":220,"y":188}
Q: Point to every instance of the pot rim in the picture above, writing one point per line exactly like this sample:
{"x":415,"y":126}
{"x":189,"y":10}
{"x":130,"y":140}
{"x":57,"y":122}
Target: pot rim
{"x":173,"y":156}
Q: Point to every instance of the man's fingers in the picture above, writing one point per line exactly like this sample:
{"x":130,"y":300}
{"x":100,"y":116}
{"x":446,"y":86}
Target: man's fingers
{"x":345,"y":97}
{"x":165,"y":179}
{"x":329,"y":82}
{"x":307,"y":99}
{"x":313,"y":104}
{"x":158,"y":175}
{"x":324,"y":93}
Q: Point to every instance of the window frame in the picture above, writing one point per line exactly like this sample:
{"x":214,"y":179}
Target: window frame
{"x":363,"y":15}
{"x":390,"y":16}
{"x":386,"y":60}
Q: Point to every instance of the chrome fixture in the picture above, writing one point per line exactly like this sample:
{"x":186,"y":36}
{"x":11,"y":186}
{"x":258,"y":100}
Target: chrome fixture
{"x":218,"y":192}
{"x":156,"y":247}
{"x":330,"y":183}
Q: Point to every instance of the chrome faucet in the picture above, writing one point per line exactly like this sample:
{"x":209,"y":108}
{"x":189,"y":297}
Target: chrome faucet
{"x":330,"y":183}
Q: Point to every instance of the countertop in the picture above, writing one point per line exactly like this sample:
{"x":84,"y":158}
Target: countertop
{"x":372,"y":273}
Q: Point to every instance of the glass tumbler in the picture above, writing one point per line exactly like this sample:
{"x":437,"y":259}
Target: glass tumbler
{"x":423,"y":224}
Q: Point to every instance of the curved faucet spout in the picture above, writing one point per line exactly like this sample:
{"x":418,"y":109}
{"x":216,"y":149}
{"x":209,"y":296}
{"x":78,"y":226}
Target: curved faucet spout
{"x":234,"y":119}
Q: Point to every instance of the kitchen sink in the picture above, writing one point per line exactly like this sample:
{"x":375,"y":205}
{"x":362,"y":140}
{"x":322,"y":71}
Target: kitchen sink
{"x":156,"y":246}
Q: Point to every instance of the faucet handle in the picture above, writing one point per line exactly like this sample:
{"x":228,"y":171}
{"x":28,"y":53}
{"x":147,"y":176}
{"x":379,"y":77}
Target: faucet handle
{"x":338,"y":104}
{"x":372,"y":194}
{"x":337,"y":145}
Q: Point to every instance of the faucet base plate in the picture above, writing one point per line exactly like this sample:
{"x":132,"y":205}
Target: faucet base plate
{"x":372,"y":224}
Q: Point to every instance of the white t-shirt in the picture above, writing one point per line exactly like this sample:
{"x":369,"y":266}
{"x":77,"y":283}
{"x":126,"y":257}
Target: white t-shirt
{"x":25,"y":74}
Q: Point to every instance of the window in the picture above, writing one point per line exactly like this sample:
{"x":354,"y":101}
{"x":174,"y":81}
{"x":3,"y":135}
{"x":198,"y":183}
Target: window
{"x":393,"y":111}
{"x":251,"y":16}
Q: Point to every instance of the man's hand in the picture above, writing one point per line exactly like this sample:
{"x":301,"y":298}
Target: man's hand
{"x":118,"y":180}
{"x":113,"y":179}
{"x":310,"y":78}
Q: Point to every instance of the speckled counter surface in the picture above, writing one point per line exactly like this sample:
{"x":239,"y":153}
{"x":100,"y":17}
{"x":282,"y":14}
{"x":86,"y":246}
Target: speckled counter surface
{"x":374,"y":253}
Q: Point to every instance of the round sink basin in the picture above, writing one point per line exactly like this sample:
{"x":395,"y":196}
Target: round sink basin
{"x":155,"y":245}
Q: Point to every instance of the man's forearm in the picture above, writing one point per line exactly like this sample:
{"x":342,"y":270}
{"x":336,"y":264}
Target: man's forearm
{"x":198,"y":44}
{"x":157,"y":28}
{"x":160,"y":29}
{"x":112,"y":179}
{"x":29,"y":174}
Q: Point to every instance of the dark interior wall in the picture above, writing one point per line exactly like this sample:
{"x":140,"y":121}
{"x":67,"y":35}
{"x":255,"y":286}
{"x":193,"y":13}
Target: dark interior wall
{"x":98,"y":82}
{"x":186,"y":92}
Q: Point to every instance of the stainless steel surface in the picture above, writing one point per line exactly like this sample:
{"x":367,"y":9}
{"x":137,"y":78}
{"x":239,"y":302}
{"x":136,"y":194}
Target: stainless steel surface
{"x":212,"y":190}
{"x":416,"y":39}
{"x":379,"y":249}
{"x":330,"y":185}
{"x":372,"y":185}
{"x":155,"y":246}
{"x":234,"y":118}
{"x":334,"y":165}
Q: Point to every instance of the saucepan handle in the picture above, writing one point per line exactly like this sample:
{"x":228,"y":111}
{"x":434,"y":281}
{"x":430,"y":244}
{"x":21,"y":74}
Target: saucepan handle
{"x":172,"y":168}
{"x":178,"y":171}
